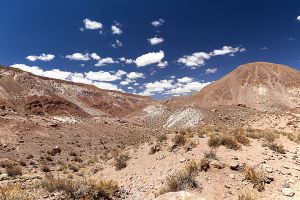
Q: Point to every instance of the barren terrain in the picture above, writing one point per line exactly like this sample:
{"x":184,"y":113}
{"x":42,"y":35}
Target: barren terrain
{"x":61,"y":140}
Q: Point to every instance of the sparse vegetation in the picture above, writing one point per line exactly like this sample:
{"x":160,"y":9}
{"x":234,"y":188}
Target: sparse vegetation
{"x":211,"y":154}
{"x":45,"y":168}
{"x":120,"y":161}
{"x":179,"y":140}
{"x":278,"y":148}
{"x":256,"y":177}
{"x":224,"y":139}
{"x":77,"y":189}
{"x":154,"y":149}
{"x":241,"y":137}
{"x":247,"y":195}
{"x":12,"y":192}
{"x":204,"y":164}
{"x":13,"y":171}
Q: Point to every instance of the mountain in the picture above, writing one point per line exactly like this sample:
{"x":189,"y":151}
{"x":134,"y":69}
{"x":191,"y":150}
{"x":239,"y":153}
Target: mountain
{"x":27,"y":93}
{"x":259,"y":85}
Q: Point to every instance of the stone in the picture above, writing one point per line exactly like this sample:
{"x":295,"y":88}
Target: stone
{"x":232,"y":176}
{"x":234,"y":166}
{"x":288,"y":192}
{"x":182,"y":160}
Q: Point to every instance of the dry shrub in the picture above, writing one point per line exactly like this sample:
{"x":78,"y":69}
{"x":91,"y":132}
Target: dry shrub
{"x":179,"y":140}
{"x":211,"y":154}
{"x":12,"y":192}
{"x":182,"y":180}
{"x":49,"y":158}
{"x":224,"y":139}
{"x":191,"y":167}
{"x":70,"y":187}
{"x":6,"y":163}
{"x":204,"y":164}
{"x":120,"y":161}
{"x":267,"y":135}
{"x":278,"y":148}
{"x":14,"y":171}
{"x":22,"y":163}
{"x":103,"y":189}
{"x":247,"y":195}
{"x":161,"y":138}
{"x":241,"y":137}
{"x":154,"y":149}
{"x":190,"y":145}
{"x":256,"y":177}
{"x":76,"y":189}
{"x":45,"y":168}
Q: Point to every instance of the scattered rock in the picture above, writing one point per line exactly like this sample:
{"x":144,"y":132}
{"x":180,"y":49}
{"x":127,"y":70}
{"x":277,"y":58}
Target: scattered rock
{"x":288,"y":192}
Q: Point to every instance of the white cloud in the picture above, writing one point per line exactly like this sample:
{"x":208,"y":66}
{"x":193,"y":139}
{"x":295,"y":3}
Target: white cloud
{"x":127,"y":61}
{"x":107,"y":86}
{"x":197,"y":59}
{"x":105,"y":61}
{"x":93,"y":25}
{"x":149,"y":58}
{"x":187,"y":88}
{"x":83,"y":57}
{"x":78,"y":56}
{"x":95,"y":56}
{"x":98,"y":79}
{"x":157,"y":87}
{"x":43,"y":57}
{"x":185,"y":80}
{"x":162,"y":64}
{"x":135,"y":75}
{"x":117,"y":44}
{"x":102,"y":76}
{"x":155,"y":40}
{"x":116,"y":29}
{"x":157,"y":23}
{"x":211,"y":70}
{"x":298,"y":18}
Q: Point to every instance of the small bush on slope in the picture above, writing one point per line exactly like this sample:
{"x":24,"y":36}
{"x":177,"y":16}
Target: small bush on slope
{"x":224,"y":139}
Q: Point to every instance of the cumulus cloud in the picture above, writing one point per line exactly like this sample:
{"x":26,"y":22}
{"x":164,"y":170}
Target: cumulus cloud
{"x":158,"y":23}
{"x":135,"y":75}
{"x":79,"y":56}
{"x":185,"y":80}
{"x":211,"y":70}
{"x":126,"y":61}
{"x":185,"y":85}
{"x":198,"y":59}
{"x":162,"y":64}
{"x":117,"y":44}
{"x":95,"y":56}
{"x":98,"y":79}
{"x":149,"y":58}
{"x":43,"y":57}
{"x":93,"y":25}
{"x":155,"y":40}
{"x":298,"y":18}
{"x":105,"y":61}
{"x":116,"y":29}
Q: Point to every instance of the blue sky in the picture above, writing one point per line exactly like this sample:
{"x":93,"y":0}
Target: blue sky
{"x":159,"y":48}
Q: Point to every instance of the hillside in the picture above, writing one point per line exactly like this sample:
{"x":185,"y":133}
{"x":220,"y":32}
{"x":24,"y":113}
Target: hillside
{"x":259,"y":85}
{"x":27,"y":93}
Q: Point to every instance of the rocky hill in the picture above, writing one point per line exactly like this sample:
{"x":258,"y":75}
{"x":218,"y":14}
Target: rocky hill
{"x":27,"y":93}
{"x":259,"y":85}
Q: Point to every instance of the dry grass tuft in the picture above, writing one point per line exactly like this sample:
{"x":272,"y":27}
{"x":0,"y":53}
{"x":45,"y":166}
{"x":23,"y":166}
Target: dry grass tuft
{"x":224,"y":139}
{"x":179,"y":140}
{"x":14,"y":171}
{"x":247,"y":195}
{"x":278,"y":148}
{"x":241,"y":137}
{"x":256,"y":177}
{"x":154,"y":149}
{"x":120,"y":161}
{"x":76,"y":189}
{"x":204,"y":164}
{"x":12,"y":192}
{"x":211,"y":154}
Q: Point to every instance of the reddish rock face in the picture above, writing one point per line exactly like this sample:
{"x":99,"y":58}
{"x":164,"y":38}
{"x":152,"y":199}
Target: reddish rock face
{"x":32,"y":94}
